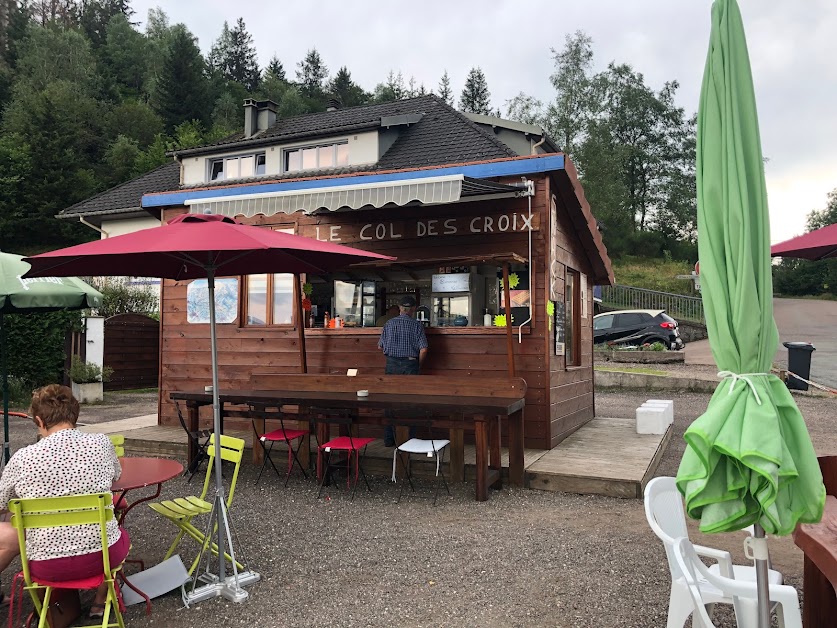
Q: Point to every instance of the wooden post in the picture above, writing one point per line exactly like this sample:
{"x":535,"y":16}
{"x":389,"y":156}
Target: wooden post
{"x":507,"y":304}
{"x":300,"y":322}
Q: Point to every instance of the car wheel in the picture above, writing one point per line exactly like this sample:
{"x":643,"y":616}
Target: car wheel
{"x":651,"y":340}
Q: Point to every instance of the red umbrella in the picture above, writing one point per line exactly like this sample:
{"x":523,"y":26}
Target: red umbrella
{"x":814,"y":245}
{"x":193,"y":246}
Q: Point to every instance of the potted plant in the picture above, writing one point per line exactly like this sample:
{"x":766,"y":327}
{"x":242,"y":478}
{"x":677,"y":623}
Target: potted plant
{"x":87,"y":379}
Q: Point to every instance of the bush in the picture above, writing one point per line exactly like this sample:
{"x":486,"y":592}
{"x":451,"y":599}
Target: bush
{"x":82,"y":372}
{"x":120,"y":297}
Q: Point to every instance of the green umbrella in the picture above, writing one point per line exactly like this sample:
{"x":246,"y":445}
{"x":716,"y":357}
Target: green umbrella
{"x":749,"y":458}
{"x":22,"y":296}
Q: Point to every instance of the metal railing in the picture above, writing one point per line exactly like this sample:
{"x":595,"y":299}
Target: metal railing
{"x":678,"y":306}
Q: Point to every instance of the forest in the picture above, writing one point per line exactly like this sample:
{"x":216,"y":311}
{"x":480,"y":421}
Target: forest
{"x":92,"y":96}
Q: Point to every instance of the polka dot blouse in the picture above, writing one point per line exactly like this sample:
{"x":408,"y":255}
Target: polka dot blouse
{"x":67,"y":462}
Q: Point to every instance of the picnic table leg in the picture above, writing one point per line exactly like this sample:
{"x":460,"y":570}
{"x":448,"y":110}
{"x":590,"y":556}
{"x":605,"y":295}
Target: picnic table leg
{"x":495,"y":461}
{"x":259,"y":428}
{"x":516,"y":464}
{"x":481,"y":441}
{"x":193,"y":416}
{"x":457,"y":455}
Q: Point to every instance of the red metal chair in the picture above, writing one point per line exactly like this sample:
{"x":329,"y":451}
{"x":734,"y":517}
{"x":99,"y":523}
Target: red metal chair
{"x":352,"y":446}
{"x":281,"y":435}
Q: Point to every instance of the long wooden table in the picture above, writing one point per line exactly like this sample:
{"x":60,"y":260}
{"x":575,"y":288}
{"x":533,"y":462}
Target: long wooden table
{"x":454,"y":412}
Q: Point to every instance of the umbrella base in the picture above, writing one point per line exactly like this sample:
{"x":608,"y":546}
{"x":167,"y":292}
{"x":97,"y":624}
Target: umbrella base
{"x":228,"y":589}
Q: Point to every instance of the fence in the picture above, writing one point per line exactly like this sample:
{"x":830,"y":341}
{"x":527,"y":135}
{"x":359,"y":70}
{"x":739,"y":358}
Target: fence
{"x":132,"y":350}
{"x":677,"y":306}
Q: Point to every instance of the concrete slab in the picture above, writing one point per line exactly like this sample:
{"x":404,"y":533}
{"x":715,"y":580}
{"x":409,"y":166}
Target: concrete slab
{"x":121,"y":425}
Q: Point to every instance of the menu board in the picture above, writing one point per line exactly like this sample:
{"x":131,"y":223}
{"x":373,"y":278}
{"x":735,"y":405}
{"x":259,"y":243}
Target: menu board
{"x":558,"y":325}
{"x":452,"y":282}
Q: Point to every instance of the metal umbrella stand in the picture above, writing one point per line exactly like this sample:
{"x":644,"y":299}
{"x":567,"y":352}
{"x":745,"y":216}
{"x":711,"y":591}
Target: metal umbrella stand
{"x":749,"y":459}
{"x":198,"y":246}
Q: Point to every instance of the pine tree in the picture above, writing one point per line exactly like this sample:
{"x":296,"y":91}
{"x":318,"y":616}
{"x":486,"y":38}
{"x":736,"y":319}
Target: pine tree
{"x":475,"y":96}
{"x":311,"y":74}
{"x":234,"y":56}
{"x":346,"y":90}
{"x":182,"y":85}
{"x":275,"y":70}
{"x":445,"y":91}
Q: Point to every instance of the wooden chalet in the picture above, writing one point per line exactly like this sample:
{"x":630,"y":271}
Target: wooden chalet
{"x":458,"y":199}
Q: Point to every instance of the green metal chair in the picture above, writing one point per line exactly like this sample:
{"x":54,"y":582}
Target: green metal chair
{"x":118,"y":441}
{"x":182,"y":510}
{"x":72,"y":510}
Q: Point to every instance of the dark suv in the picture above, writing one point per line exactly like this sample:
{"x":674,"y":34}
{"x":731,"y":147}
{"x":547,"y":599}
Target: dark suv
{"x":637,"y":327}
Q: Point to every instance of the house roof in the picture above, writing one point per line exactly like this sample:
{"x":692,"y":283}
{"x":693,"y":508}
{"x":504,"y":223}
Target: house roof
{"x":126,"y":198}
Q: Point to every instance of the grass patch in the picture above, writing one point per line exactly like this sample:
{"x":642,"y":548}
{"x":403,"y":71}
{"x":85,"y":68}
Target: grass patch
{"x":654,"y":274}
{"x":631,"y":369}
{"x":133,"y":391}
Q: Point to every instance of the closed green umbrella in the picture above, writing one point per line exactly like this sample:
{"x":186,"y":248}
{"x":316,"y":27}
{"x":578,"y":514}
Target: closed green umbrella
{"x":749,"y":458}
{"x":22,"y":296}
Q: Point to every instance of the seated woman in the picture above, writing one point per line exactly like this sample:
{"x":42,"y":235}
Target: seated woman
{"x":64,"y":462}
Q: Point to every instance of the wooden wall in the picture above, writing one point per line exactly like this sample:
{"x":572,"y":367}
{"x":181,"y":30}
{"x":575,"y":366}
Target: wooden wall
{"x":185,"y":361}
{"x":570,"y":387}
{"x":132,"y":350}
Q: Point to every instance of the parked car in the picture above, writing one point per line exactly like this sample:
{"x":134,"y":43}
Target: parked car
{"x":637,"y":327}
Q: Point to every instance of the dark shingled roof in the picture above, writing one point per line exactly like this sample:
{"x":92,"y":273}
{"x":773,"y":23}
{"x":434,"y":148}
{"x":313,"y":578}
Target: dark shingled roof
{"x":127,"y":197}
{"x":441,"y":136}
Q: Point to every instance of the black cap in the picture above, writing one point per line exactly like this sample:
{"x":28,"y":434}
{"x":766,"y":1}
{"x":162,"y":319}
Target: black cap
{"x":407,"y":301}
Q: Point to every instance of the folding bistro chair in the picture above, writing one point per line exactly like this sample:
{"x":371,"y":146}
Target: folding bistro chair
{"x":118,"y":442}
{"x":200,"y":440}
{"x":351,"y":446}
{"x":182,"y":510}
{"x":430,"y":447}
{"x":52,"y":512}
{"x":282,"y":435}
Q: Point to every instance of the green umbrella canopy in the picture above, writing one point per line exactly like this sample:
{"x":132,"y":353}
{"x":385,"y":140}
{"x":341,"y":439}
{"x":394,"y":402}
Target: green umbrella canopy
{"x":49,"y":293}
{"x":749,"y":458}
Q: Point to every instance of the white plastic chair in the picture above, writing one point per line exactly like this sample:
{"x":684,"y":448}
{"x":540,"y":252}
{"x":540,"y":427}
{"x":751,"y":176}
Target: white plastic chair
{"x":743,"y":593}
{"x":665,"y":514}
{"x":432,"y":448}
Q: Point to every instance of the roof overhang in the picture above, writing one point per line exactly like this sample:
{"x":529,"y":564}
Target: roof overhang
{"x":427,"y":191}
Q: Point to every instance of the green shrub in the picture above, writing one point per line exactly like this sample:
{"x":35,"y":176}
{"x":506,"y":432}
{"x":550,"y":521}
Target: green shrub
{"x":119,"y":297}
{"x":82,"y":372}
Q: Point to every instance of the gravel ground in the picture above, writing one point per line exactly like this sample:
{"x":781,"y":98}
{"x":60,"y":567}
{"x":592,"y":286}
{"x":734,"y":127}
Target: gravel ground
{"x":524,"y":558}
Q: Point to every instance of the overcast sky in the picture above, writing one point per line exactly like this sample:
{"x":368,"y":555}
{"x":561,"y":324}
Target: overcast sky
{"x":793,"y":49}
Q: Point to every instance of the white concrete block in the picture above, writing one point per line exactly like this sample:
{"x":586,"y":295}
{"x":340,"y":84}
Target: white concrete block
{"x":651,"y":419}
{"x":665,"y":403}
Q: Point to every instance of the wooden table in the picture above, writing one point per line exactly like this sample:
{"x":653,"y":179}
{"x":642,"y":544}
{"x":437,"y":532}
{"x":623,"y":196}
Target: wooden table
{"x":818,"y":541}
{"x":451,"y":412}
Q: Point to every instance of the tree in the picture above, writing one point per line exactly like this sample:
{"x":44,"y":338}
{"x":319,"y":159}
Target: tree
{"x":445,"y":91}
{"x":573,"y":107}
{"x":393,"y":89}
{"x":234,"y":56}
{"x":95,"y":15}
{"x":311,"y":74}
{"x":275,"y":70}
{"x":475,"y":97}
{"x":346,"y":90}
{"x":182,"y":85}
{"x":134,"y":120}
{"x":125,"y":55}
{"x":120,"y":159}
{"x":526,"y":109}
{"x":818,"y":219}
{"x":64,"y":13}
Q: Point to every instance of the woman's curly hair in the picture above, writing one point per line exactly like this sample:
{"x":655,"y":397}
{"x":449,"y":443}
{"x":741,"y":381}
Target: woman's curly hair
{"x":54,"y":404}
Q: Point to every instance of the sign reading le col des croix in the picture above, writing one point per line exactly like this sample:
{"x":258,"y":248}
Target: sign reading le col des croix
{"x":508,"y":222}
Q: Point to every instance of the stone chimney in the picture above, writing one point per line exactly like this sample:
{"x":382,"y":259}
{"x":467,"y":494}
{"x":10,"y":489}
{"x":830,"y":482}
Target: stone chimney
{"x":259,"y":115}
{"x":334,"y":104}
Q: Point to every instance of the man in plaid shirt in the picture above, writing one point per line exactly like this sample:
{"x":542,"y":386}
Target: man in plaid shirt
{"x":405,"y":346}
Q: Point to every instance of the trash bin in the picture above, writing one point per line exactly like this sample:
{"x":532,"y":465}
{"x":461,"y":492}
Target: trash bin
{"x":799,"y":362}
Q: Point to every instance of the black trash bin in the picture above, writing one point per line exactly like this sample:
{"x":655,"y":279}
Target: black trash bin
{"x":799,"y":362}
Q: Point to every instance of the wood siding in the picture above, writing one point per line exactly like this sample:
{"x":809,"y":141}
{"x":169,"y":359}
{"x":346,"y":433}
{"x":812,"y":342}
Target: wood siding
{"x":476,"y":352}
{"x":132,"y":350}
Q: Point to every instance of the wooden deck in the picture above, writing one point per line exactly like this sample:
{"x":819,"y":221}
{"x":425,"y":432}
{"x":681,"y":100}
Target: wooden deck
{"x":604,"y":457}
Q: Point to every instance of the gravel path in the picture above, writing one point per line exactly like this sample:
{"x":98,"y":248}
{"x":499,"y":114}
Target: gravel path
{"x":524,"y":558}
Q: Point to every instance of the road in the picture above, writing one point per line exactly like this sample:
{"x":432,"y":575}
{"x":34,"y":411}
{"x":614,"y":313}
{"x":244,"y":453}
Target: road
{"x":798,"y":320}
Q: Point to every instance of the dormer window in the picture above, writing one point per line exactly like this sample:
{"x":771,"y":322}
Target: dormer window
{"x":239,"y":167}
{"x":333,"y":155}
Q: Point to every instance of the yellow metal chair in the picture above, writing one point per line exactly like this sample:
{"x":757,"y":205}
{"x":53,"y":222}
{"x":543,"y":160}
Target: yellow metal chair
{"x":182,"y":510}
{"x":72,"y":510}
{"x":118,"y":441}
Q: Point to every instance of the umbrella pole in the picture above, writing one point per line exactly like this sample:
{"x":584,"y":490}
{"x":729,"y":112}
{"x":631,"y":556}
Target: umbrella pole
{"x":4,"y":350}
{"x":762,"y":584}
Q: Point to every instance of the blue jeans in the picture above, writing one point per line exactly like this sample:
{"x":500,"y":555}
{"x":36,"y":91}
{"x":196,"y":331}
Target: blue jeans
{"x":399,"y":366}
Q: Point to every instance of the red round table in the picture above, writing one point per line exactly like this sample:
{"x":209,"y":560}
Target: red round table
{"x":143,"y":472}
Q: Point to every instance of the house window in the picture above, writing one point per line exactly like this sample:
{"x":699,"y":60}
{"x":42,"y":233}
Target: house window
{"x":572,"y":320}
{"x":238,"y":167}
{"x":270,"y":298}
{"x":317,"y":157}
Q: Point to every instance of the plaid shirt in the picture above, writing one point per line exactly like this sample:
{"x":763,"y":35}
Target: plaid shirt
{"x":402,"y":337}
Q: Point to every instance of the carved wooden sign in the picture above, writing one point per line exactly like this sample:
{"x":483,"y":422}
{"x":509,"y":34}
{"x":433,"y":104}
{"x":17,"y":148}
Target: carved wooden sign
{"x":504,"y":222}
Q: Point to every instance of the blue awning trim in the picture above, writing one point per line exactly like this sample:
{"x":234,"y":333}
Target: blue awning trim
{"x":512,"y":167}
